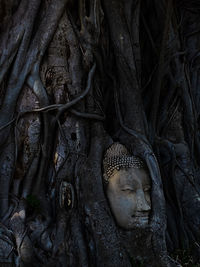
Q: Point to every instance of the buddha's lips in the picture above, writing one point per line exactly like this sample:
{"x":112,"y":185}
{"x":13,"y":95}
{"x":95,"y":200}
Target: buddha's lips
{"x":141,"y":216}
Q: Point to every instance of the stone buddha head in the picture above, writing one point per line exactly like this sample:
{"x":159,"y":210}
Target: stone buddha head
{"x":128,"y":186}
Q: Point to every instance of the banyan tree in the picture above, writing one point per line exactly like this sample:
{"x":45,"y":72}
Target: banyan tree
{"x":99,"y":133}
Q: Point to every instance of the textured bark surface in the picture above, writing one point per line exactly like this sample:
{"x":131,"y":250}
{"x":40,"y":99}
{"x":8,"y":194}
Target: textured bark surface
{"x":76,"y":76}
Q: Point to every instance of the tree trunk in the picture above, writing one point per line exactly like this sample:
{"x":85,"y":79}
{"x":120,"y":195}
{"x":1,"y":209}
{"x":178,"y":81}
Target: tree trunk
{"x":76,"y":77}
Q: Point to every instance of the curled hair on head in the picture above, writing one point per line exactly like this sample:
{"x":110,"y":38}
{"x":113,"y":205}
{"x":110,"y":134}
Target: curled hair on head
{"x":116,"y":157}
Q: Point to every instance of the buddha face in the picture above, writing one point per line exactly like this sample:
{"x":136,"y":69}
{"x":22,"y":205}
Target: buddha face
{"x":128,"y":192}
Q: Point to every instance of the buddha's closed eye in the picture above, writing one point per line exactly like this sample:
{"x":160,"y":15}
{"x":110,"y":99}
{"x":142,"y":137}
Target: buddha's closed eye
{"x":128,"y":189}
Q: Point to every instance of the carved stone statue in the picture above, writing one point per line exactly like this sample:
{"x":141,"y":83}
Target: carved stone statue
{"x":127,"y":187}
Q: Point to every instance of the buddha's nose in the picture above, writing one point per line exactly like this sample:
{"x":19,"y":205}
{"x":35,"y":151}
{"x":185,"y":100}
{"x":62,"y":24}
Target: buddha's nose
{"x":142,"y":204}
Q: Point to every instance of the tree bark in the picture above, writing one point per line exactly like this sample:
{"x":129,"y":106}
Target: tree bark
{"x":76,"y":76}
